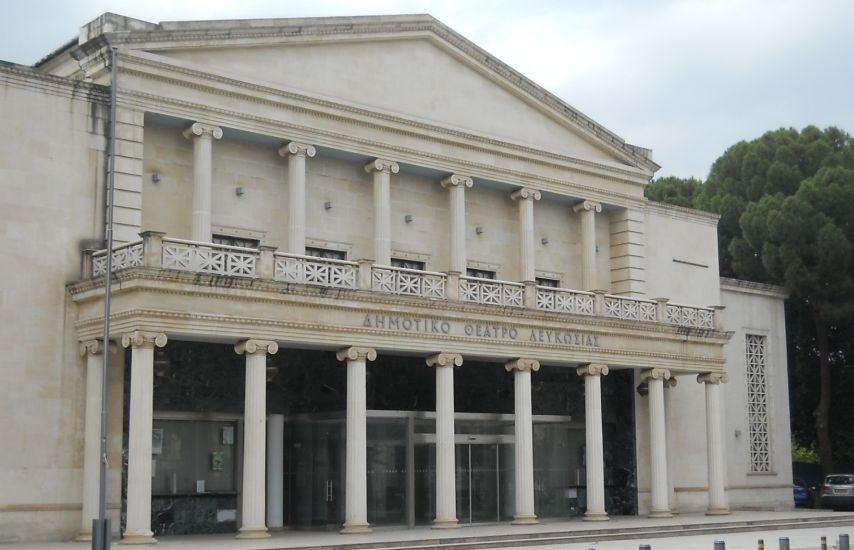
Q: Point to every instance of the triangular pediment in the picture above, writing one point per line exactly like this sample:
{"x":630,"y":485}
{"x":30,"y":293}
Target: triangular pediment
{"x":406,"y":66}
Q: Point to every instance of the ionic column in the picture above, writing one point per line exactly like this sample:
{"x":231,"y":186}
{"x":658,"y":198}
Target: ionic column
{"x":446,"y":493}
{"x":524,"y":447}
{"x":526,"y":198}
{"x":588,"y":210}
{"x":93,"y":350}
{"x":202,"y":136}
{"x":275,"y":471}
{"x":253,"y":524}
{"x":668,"y":396}
{"x":718,"y":504}
{"x":140,"y":423}
{"x":296,"y":154}
{"x":658,"y":442}
{"x":382,"y":170}
{"x":456,"y":186}
{"x":593,"y":374}
{"x":356,"y":492}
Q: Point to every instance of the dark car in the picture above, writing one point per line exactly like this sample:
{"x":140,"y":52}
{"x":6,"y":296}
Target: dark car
{"x":837,"y":491}
{"x":801,"y":495}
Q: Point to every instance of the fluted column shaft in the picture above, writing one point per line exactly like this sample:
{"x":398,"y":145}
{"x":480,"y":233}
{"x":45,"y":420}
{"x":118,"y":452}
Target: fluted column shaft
{"x":658,"y":442}
{"x":202,"y":136}
{"x":140,"y":423}
{"x":296,"y":154}
{"x":456,"y":185}
{"x":524,"y":447}
{"x":93,"y":351}
{"x":527,"y":262}
{"x":253,"y":515}
{"x":275,"y":471}
{"x":718,"y":504}
{"x":446,"y":494}
{"x":382,"y":171}
{"x":592,"y":374}
{"x":356,"y":493}
{"x":589,"y":276}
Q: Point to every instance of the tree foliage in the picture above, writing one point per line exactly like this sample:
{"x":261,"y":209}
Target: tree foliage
{"x":674,"y":190}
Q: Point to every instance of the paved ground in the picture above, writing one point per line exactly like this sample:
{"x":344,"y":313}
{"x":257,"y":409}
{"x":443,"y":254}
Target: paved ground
{"x":801,"y":538}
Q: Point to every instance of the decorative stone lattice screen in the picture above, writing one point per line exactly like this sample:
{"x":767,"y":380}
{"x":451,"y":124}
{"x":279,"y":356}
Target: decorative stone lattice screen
{"x":757,"y":404}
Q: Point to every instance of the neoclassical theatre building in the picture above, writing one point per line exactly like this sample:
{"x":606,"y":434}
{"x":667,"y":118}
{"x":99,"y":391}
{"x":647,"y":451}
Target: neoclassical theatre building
{"x":365,"y":274}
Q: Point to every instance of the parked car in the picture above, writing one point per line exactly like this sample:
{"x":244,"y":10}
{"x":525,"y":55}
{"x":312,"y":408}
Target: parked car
{"x":801,"y":495}
{"x":837,"y":491}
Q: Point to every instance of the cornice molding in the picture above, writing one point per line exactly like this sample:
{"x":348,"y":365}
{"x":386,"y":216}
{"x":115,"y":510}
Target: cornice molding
{"x":355,"y":353}
{"x":751,"y":287}
{"x":450,"y":360}
{"x":681,"y":212}
{"x":142,"y":339}
{"x":522,"y":365}
{"x":254,"y":346}
{"x":592,"y":369}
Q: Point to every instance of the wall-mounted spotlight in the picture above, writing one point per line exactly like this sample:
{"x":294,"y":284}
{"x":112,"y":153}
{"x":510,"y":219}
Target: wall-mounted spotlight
{"x":327,"y":205}
{"x":155,"y":177}
{"x":544,"y":240}
{"x":408,"y":218}
{"x":239,"y":191}
{"x":478,"y":230}
{"x":643,"y":389}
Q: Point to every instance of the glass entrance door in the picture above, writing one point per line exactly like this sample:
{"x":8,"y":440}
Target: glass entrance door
{"x":483,"y":483}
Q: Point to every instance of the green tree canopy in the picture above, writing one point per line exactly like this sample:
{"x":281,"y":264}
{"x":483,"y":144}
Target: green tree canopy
{"x":673,"y":190}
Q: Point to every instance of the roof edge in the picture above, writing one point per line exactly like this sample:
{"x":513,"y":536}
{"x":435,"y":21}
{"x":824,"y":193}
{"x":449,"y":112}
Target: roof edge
{"x":752,"y":287}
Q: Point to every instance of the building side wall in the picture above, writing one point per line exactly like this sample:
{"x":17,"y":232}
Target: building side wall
{"x":51,"y":170}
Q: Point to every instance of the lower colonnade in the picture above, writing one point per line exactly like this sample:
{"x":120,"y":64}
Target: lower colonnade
{"x":261,"y":499}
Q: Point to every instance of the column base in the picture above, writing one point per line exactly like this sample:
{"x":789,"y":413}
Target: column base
{"x":355,"y":529}
{"x":138,"y":538}
{"x":85,"y":535}
{"x":660,"y":514}
{"x":525,"y":520}
{"x":253,"y":533}
{"x":596,"y":516}
{"x":718,"y":512}
{"x":446,"y":524}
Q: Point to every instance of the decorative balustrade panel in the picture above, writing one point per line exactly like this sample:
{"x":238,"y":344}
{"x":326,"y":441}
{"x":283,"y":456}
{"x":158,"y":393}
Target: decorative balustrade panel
{"x":565,"y":301}
{"x":309,"y":270}
{"x":124,"y":256}
{"x":408,"y":282}
{"x":690,"y":316}
{"x":631,"y":309}
{"x":486,"y":291}
{"x":209,"y":258}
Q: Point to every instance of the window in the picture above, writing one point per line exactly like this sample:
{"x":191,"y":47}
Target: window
{"x":551,"y":283}
{"x":480,"y":273}
{"x":757,"y":404}
{"x":228,"y":240}
{"x":407,"y":264}
{"x":326,"y":253}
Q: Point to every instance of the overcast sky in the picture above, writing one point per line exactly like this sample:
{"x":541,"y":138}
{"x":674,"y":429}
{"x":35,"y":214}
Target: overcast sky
{"x":684,"y":78}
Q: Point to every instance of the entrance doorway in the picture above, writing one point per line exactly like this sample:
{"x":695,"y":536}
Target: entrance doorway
{"x":484,"y":478}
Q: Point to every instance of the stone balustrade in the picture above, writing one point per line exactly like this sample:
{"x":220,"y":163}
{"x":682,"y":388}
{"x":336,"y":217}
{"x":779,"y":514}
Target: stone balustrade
{"x":157,"y":251}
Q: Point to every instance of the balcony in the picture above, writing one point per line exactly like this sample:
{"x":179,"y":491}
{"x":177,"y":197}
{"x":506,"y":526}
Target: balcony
{"x":155,"y":250}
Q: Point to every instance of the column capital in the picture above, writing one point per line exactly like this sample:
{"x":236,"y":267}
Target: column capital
{"x":457,"y":180}
{"x":91,"y":347}
{"x":522,"y":364}
{"x":526,"y":193}
{"x":713,"y":378}
{"x":297,"y":149}
{"x":655,"y":374}
{"x":354,"y":353}
{"x":142,"y":339}
{"x":252,"y":346}
{"x":382,"y":165}
{"x":587,"y":205}
{"x":592,"y":369}
{"x":671,"y":382}
{"x":198,"y":129}
{"x":444,"y":360}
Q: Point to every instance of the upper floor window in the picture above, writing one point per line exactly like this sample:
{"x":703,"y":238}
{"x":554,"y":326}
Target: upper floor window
{"x":551,"y":283}
{"x":228,"y":240}
{"x":480,"y":273}
{"x":326,"y":253}
{"x":407,"y":264}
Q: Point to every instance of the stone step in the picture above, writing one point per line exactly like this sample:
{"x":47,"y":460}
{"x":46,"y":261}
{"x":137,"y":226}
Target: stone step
{"x":584,"y":535}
